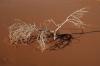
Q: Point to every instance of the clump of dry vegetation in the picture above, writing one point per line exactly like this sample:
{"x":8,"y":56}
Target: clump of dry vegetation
{"x":23,"y":33}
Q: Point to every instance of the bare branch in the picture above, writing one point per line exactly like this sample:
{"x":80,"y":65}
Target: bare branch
{"x":73,"y":18}
{"x":51,"y":20}
{"x":76,"y":16}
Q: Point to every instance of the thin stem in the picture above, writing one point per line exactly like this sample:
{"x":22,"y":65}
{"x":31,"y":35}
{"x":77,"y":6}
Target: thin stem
{"x":71,"y":15}
{"x":87,"y":32}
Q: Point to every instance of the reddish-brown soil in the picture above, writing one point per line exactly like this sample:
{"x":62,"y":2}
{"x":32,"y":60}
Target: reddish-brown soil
{"x":85,"y":52}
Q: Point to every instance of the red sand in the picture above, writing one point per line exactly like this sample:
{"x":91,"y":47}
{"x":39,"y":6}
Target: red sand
{"x":85,"y":52}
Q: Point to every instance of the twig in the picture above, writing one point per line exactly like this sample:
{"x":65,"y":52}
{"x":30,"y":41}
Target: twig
{"x":96,"y":31}
{"x":72,"y":18}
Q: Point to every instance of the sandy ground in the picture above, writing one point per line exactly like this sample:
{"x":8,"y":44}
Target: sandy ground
{"x":85,"y":52}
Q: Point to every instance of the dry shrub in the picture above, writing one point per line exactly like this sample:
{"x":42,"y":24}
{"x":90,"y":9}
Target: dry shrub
{"x":23,"y":33}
